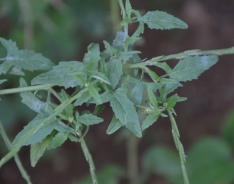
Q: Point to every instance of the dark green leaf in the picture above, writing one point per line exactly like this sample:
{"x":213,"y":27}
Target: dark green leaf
{"x":58,"y":140}
{"x":98,"y":109}
{"x":149,"y":120}
{"x":94,"y":93}
{"x":114,"y":126}
{"x":115,"y":71}
{"x":25,"y":59}
{"x":125,"y":111}
{"x":38,"y":149}
{"x":60,"y":75}
{"x":162,"y":20}
{"x":3,"y":80}
{"x":191,"y":67}
{"x":89,"y":119}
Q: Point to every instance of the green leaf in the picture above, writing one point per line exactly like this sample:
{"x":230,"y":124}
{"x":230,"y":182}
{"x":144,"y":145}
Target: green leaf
{"x":152,"y":97}
{"x":167,"y":81}
{"x":125,"y":56}
{"x":131,"y":40}
{"x":100,"y":76}
{"x":140,"y":28}
{"x":92,"y":57}
{"x":58,"y":140}
{"x":114,"y":69}
{"x":162,"y":20}
{"x":98,"y":109}
{"x":190,"y":68}
{"x":164,"y":66}
{"x":33,"y":102}
{"x":105,"y":97}
{"x":89,"y":119}
{"x":25,"y":59}
{"x":60,"y":75}
{"x":171,"y":101}
{"x":128,"y":8}
{"x":4,"y":67}
{"x":167,"y":89}
{"x":125,"y":111}
{"x":3,"y":80}
{"x":83,"y":98}
{"x":136,"y":93}
{"x":149,"y":120}
{"x":39,"y":135}
{"x":103,"y":67}
{"x":38,"y":149}
{"x":94,"y":93}
{"x":16,"y":71}
{"x":114,"y":126}
{"x":152,"y":74}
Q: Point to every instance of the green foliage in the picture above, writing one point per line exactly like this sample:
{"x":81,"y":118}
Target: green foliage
{"x":103,"y":77}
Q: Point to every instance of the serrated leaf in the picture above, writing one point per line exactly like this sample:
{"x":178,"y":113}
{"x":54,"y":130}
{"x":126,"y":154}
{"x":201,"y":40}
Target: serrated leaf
{"x":83,"y":98}
{"x":171,"y":101}
{"x":38,"y":149}
{"x":164,"y":66}
{"x":33,"y":102}
{"x":114,"y":126}
{"x":61,"y":127}
{"x":149,"y":120}
{"x":39,"y":135}
{"x":128,"y":8}
{"x":105,"y":97}
{"x":4,"y":67}
{"x":125,"y":56}
{"x":168,"y":88}
{"x":94,"y":93}
{"x":140,"y":28}
{"x":125,"y":111}
{"x":136,"y":93}
{"x":58,"y":140}
{"x":152,"y":97}
{"x":60,"y":75}
{"x":190,"y":68}
{"x":114,"y":71}
{"x":89,"y":119}
{"x":25,"y":59}
{"x":16,"y":71}
{"x":162,"y":20}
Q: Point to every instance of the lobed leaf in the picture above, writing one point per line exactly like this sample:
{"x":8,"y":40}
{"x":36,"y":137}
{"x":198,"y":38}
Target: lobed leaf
{"x":190,"y":68}
{"x":60,"y":75}
{"x":162,"y":20}
{"x":58,"y":140}
{"x":25,"y":59}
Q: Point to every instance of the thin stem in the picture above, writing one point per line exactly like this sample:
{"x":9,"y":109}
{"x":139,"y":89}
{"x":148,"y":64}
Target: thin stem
{"x":25,"y":89}
{"x":89,"y":159}
{"x":133,"y":173}
{"x":181,"y":55}
{"x":56,"y":94}
{"x":16,"y":157}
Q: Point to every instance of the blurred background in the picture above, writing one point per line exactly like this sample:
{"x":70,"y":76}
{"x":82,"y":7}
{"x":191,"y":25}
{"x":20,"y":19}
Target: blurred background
{"x":62,"y":29}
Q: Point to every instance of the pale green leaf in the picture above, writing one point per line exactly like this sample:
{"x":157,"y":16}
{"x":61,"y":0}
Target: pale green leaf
{"x":100,"y":76}
{"x":151,"y":73}
{"x":58,"y":140}
{"x":38,"y":149}
{"x":92,"y":57}
{"x":89,"y":119}
{"x":167,"y":81}
{"x":25,"y":59}
{"x":60,"y":75}
{"x":149,"y":120}
{"x":4,"y":67}
{"x":140,"y":28}
{"x":94,"y":93}
{"x":190,"y":68}
{"x":16,"y":71}
{"x":115,"y":71}
{"x":105,"y":97}
{"x":128,"y":8}
{"x":33,"y":102}
{"x":171,"y":101}
{"x":3,"y":80}
{"x":164,"y":66}
{"x":152,"y":97}
{"x":114,"y":126}
{"x":136,"y":93}
{"x":131,"y":40}
{"x":125,"y":56}
{"x":125,"y":111}
{"x":162,"y":20}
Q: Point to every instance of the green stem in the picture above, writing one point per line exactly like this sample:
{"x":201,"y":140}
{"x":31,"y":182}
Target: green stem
{"x":25,"y":89}
{"x":115,"y":19}
{"x":89,"y":159}
{"x":56,"y":94}
{"x":16,"y":157}
{"x":181,"y":55}
{"x":57,"y":111}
